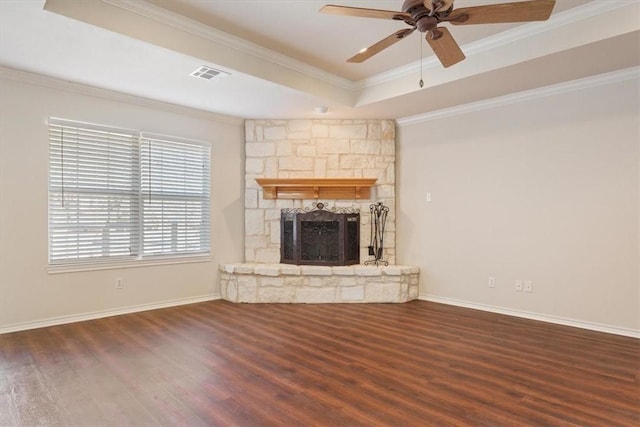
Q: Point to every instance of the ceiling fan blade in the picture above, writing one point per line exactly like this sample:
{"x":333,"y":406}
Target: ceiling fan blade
{"x":444,"y":46}
{"x":367,"y":53}
{"x":364,"y":13}
{"x":534,"y":10}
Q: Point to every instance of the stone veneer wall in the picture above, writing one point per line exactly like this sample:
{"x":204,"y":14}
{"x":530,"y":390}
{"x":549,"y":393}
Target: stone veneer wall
{"x":316,"y":149}
{"x":282,"y":283}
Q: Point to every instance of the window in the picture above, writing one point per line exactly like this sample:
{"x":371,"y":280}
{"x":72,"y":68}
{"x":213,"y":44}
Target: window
{"x":175,"y":196}
{"x":120,"y":195}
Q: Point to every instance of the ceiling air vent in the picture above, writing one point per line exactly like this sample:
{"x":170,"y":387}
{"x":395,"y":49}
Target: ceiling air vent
{"x":209,"y":73}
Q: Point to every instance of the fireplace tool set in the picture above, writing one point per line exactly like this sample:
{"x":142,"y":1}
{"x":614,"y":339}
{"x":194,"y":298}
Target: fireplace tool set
{"x":378,"y":220}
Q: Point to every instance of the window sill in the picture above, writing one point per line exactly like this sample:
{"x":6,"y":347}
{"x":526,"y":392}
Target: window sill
{"x":147,"y":262}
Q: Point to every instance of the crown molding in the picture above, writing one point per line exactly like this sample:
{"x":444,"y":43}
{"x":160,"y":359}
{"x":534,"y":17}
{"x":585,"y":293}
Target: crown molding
{"x":82,"y":89}
{"x":193,"y":27}
{"x":532,"y":29}
{"x":557,"y":89}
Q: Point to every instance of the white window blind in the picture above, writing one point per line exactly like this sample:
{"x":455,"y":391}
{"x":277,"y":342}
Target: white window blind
{"x":175,"y":196}
{"x":93,"y":193}
{"x":116,"y":195}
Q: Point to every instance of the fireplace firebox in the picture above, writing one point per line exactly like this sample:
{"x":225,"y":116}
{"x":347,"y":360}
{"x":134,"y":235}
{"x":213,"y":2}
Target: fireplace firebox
{"x":319,"y":236}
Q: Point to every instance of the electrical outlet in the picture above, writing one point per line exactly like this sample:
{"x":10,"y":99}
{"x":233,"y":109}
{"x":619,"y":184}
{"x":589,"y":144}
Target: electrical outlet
{"x":119,"y":284}
{"x":428,"y":198}
{"x":518,"y":285}
{"x":491,"y":282}
{"x":528,"y":286}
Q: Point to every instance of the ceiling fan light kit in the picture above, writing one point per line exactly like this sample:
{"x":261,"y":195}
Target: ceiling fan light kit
{"x":428,"y":15}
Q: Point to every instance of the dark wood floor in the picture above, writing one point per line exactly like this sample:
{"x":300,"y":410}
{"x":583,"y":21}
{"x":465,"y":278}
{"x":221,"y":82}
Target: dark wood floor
{"x":414,"y":364}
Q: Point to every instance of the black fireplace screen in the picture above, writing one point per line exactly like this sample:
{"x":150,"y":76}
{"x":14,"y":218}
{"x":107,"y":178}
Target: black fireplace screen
{"x":320,"y":236}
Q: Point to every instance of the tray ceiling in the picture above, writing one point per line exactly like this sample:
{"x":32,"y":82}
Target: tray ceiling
{"x":285,"y":59}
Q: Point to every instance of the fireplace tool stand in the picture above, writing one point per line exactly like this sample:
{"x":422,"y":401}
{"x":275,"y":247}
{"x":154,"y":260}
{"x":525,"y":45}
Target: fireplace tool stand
{"x":378,"y":220}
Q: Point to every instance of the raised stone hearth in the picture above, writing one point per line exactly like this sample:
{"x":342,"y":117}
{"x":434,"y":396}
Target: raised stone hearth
{"x":284,"y":283}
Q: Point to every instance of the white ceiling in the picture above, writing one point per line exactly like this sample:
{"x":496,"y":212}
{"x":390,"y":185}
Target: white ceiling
{"x":285,"y":58}
{"x":296,"y":29}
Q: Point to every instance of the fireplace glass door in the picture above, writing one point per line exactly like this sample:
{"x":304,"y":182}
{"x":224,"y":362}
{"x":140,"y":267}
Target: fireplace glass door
{"x":319,"y":237}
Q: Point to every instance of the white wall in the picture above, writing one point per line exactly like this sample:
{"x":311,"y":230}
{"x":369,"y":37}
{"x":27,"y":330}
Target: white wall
{"x":29,"y":295}
{"x":544,"y":190}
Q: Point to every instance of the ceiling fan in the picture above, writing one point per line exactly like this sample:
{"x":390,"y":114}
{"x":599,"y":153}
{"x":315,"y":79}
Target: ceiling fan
{"x":426,"y":16}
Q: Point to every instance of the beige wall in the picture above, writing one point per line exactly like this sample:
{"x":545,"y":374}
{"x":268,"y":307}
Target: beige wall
{"x":544,"y":190}
{"x":28,"y":293}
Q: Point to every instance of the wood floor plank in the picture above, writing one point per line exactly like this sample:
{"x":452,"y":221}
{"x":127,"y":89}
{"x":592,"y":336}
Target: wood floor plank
{"x":223,"y":364}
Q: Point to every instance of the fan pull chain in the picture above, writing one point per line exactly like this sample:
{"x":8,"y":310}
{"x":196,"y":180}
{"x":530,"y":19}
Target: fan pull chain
{"x":421,"y":83}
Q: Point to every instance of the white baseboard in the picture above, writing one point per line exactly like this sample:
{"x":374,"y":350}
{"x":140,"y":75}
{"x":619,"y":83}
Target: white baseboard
{"x":61,"y":320}
{"x":534,"y":316}
{"x":53,"y":321}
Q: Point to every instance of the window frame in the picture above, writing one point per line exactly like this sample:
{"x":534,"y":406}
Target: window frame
{"x":137,"y":257}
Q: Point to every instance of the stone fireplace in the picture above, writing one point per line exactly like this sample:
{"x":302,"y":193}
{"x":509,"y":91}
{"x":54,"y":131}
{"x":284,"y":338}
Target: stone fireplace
{"x":360,"y":150}
{"x":303,"y":149}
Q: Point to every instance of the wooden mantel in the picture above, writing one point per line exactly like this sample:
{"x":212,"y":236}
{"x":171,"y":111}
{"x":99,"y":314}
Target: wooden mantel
{"x":316,"y":188}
